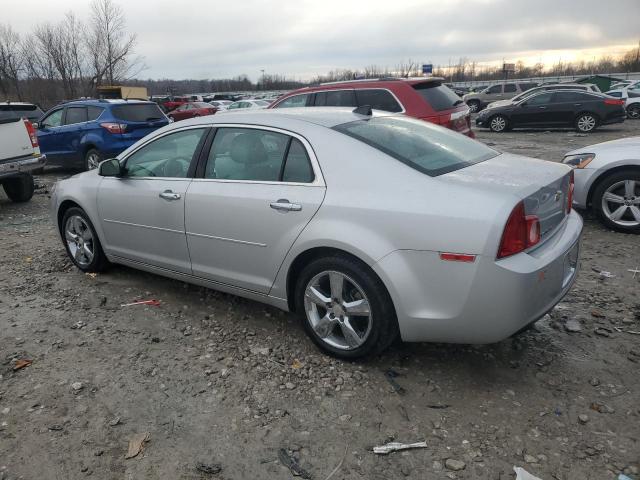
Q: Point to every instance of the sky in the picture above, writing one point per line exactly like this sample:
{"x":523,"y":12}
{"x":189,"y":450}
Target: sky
{"x":301,"y":38}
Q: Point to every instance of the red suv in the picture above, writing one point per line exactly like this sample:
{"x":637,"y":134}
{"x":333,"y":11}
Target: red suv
{"x":425,"y":98}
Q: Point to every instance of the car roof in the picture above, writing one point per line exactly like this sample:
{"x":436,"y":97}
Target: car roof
{"x":102,"y":101}
{"x":23,"y":104}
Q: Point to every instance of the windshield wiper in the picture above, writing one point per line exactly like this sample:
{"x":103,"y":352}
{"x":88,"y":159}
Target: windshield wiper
{"x":152,"y":118}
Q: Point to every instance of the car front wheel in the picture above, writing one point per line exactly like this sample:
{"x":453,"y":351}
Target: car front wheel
{"x":586,"y":122}
{"x":498,"y":123}
{"x":347,"y":310}
{"x":81,"y":241}
{"x":616,"y":201}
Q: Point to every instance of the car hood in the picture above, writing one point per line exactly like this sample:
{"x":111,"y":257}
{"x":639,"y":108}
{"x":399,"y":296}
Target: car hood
{"x":630,"y":143}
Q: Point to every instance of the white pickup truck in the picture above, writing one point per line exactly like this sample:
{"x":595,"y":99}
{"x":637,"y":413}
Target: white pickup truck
{"x":19,"y":155}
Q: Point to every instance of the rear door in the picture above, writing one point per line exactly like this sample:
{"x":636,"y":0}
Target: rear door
{"x":259,"y":189}
{"x":140,"y":119}
{"x":565,"y":105}
{"x":49,"y":138}
{"x":336,"y":98}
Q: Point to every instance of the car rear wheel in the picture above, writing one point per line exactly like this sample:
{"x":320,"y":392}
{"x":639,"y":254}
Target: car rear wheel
{"x":92,"y":159}
{"x":498,"y":123}
{"x":81,"y":241}
{"x":19,"y":188}
{"x":616,"y":201}
{"x":474,"y":106}
{"x":586,"y":122}
{"x":633,"y":111}
{"x":347,"y":310}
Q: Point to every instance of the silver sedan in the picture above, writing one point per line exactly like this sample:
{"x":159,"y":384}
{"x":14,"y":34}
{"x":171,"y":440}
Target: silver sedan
{"x":369,"y":226}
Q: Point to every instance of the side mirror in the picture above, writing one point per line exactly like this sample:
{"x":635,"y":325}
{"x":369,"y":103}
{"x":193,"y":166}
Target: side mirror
{"x":36,"y":125}
{"x":110,"y":168}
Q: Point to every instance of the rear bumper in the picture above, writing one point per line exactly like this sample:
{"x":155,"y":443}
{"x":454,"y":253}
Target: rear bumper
{"x":22,"y":164}
{"x":481,"y":302}
{"x":617,"y":119}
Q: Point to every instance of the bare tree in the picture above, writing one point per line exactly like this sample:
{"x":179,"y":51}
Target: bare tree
{"x":11,"y":60}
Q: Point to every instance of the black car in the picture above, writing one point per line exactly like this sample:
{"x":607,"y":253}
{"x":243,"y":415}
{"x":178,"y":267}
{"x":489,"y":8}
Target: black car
{"x":560,"y":108}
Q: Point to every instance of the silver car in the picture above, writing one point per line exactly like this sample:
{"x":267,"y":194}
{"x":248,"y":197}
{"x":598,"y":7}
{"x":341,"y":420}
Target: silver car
{"x":607,"y":179}
{"x":367,"y":225}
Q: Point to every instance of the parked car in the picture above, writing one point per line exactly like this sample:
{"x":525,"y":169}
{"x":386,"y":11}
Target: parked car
{"x":250,"y":104}
{"x":221,"y":105}
{"x":607,"y":180}
{"x":343,"y":217}
{"x":631,"y":100}
{"x":425,"y":98}
{"x":19,"y":156}
{"x":80,"y":134}
{"x":556,"y":108}
{"x":17,"y":110}
{"x":173,"y":102}
{"x":587,"y":87}
{"x":192,"y":109}
{"x":497,"y":91}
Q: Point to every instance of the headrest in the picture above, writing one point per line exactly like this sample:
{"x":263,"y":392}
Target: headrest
{"x":247,"y":148}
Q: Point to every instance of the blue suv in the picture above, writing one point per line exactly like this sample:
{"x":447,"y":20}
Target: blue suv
{"x":82,"y":133}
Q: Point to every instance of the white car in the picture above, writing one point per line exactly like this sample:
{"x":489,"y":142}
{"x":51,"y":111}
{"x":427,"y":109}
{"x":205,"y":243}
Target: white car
{"x":631,"y":95}
{"x":221,"y":105}
{"x":607,"y":179}
{"x":248,"y":104}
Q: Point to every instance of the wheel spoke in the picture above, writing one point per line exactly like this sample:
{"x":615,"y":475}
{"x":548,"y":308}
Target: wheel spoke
{"x":618,"y":213}
{"x":324,"y":326}
{"x":77,"y":225}
{"x":315,"y":296}
{"x":78,"y":254}
{"x":86,"y":235}
{"x":635,"y":211}
{"x":629,"y":188}
{"x":612,"y":197}
{"x":70,"y":236}
{"x":87,"y":252}
{"x":336,"y":281}
{"x":350,"y":335}
{"x":356,"y":308}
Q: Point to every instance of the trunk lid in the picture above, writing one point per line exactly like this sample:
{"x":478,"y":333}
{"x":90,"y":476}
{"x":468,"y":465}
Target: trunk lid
{"x":542,"y":185}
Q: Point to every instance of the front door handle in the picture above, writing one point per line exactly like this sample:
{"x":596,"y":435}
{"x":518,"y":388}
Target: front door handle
{"x":169,"y":195}
{"x":284,"y":205}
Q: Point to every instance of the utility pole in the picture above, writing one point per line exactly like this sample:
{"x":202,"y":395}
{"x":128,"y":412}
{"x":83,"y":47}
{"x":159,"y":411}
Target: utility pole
{"x":262,"y":70}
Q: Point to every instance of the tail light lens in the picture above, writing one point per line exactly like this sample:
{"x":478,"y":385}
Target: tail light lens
{"x":114,"y":127}
{"x":32,"y":133}
{"x":521,"y":232}
{"x":570,"y":192}
{"x":613,"y":101}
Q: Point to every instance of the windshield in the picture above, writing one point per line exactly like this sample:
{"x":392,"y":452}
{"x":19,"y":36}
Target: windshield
{"x":423,"y":146}
{"x":138,"y":112}
{"x":439,"y":96}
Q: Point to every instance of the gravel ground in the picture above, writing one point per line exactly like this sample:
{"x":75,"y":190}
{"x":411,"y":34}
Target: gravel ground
{"x":222,"y":385}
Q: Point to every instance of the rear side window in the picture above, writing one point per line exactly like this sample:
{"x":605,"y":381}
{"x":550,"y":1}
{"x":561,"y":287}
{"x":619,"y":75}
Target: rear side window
{"x":568,"y":97}
{"x":137,"y":112}
{"x":297,"y":167}
{"x":93,"y":112}
{"x":510,"y":88}
{"x":420,"y":145}
{"x":439,"y":96}
{"x":494,"y":89}
{"x":527,"y":86}
{"x":378,"y":100}
{"x":295,"y":101}
{"x":75,"y":115}
{"x":336,"y":98}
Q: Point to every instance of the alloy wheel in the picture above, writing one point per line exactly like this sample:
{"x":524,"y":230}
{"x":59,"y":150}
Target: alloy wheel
{"x":498,"y":124}
{"x":621,"y":203}
{"x":633,"y":111}
{"x":586,"y":123}
{"x":473,"y":107}
{"x":93,"y":160}
{"x":79,"y":240}
{"x":338,"y":310}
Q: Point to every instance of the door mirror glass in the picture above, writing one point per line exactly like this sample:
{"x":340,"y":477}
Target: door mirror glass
{"x":36,"y":125}
{"x":110,"y":168}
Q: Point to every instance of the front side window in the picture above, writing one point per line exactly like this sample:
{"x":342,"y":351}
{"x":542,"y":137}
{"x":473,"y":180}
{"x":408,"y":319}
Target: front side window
{"x":541,"y":99}
{"x":510,"y":88}
{"x":420,"y":145}
{"x":293,"y":102}
{"x":54,"y":119}
{"x":167,"y":156}
{"x":378,"y":100}
{"x":494,"y":89}
{"x":75,"y":115}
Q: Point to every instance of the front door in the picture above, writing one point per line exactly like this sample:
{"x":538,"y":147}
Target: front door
{"x":49,"y":137}
{"x":534,"y":111}
{"x":142,"y":212}
{"x":258,"y":192}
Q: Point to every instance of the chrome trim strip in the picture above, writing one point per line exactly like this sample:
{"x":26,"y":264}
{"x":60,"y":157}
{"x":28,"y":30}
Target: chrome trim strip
{"x":143,"y":226}
{"x":233,"y":240}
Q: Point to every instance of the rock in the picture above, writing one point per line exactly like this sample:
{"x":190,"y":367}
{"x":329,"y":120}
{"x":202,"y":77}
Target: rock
{"x":345,"y":418}
{"x":572,"y":326}
{"x":437,"y":465}
{"x":530,"y":458}
{"x":260,"y":350}
{"x":603,"y":332}
{"x":77,"y":386}
{"x":455,"y":465}
{"x":594,"y":382}
{"x":582,"y":418}
{"x":289,"y":386}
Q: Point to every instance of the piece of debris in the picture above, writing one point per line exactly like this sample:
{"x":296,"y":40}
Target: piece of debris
{"x":22,"y":363}
{"x":55,"y":428}
{"x":292,"y":464}
{"x":605,"y":274}
{"x":77,"y":386}
{"x":583,"y":418}
{"x":335,"y":470}
{"x":114,"y":422}
{"x":391,"y":375}
{"x":396,"y":446}
{"x":91,"y":274}
{"x":597,"y":314}
{"x":572,"y":326}
{"x":603,"y":332}
{"x":601,"y":408}
{"x":136,"y":444}
{"x":455,"y":465}
{"x":522,"y":474}
{"x":438,"y":406}
{"x":635,"y":271}
{"x":153,"y":302}
{"x":209,"y":468}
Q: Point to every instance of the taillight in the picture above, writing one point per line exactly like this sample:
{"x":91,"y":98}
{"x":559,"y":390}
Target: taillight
{"x":114,"y":127}
{"x":31,"y":132}
{"x":613,"y":101}
{"x":521,"y":232}
{"x":570,"y":192}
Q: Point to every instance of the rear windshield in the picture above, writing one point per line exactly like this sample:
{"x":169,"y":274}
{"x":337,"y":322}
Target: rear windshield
{"x":137,"y":112}
{"x":423,"y":146}
{"x":439,"y":96}
{"x":18,"y":111}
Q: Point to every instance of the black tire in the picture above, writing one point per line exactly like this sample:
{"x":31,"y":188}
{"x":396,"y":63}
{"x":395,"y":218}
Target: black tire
{"x":91,"y":159}
{"x":601,"y":188}
{"x":20,"y":188}
{"x":99,"y":262}
{"x":633,"y":111}
{"x":384,"y":323}
{"x":474,"y":106}
{"x":586,"y":122}
{"x":498,"y":123}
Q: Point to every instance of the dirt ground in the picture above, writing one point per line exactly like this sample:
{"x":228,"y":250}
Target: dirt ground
{"x":222,"y":383}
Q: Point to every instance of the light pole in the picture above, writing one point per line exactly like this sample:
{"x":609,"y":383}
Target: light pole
{"x":262,"y":71}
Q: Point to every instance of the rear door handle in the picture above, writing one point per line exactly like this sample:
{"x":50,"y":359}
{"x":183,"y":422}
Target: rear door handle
{"x":169,"y":195}
{"x":284,"y":205}
{"x":577,"y":104}
{"x":542,"y":108}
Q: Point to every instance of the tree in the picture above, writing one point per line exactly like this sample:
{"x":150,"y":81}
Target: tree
{"x":11,"y":60}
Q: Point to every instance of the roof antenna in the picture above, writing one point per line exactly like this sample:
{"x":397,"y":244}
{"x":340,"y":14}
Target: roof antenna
{"x":363,"y":110}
